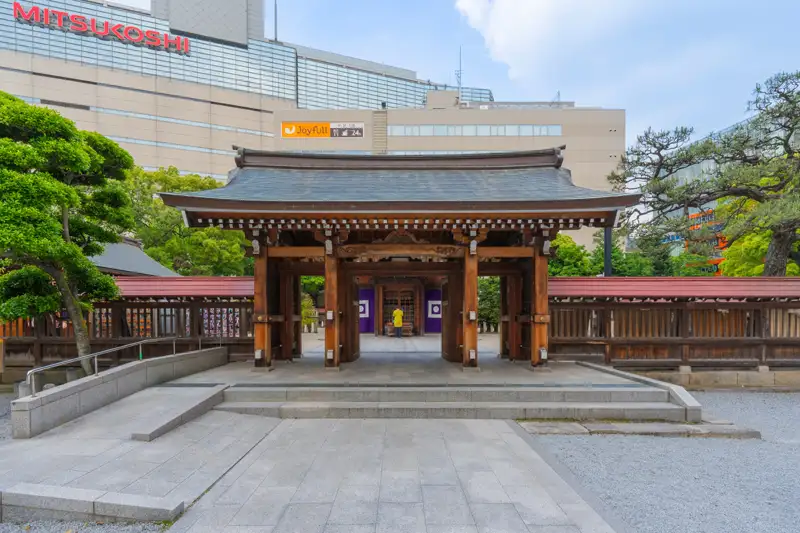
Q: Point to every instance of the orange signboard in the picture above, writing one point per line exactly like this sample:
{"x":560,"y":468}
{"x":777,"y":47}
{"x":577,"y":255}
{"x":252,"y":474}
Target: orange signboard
{"x":305,"y":129}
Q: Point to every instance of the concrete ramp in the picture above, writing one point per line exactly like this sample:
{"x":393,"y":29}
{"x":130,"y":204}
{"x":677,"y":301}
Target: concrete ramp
{"x":147,"y":414}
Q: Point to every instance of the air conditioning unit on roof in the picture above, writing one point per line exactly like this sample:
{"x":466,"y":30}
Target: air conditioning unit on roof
{"x":484,"y":106}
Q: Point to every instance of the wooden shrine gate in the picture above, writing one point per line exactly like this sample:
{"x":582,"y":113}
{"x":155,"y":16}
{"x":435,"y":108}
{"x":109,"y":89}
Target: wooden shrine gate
{"x":457,"y":216}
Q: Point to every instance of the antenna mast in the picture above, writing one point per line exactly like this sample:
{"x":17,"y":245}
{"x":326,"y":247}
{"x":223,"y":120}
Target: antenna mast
{"x":276,"y":20}
{"x":459,"y":72}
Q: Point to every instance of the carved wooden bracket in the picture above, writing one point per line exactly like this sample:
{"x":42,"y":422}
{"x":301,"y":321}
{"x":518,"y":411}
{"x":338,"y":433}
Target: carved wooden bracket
{"x":401,"y":236}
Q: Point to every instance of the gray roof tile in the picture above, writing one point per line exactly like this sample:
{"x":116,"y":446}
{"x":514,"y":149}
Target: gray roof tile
{"x":389,"y":185}
{"x":124,"y":258}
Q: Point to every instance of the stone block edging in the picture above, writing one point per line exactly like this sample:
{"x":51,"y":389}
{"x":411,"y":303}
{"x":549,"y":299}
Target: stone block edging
{"x":677,"y":394}
{"x":31,"y":416}
{"x":28,"y":501}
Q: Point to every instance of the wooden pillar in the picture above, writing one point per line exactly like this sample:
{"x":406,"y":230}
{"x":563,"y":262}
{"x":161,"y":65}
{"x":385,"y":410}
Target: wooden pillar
{"x":470,"y":314}
{"x":504,"y":318}
{"x":378,"y":309}
{"x":287,"y":310}
{"x":331,"y":311}
{"x":298,"y":307}
{"x":541,"y":313}
{"x":514,"y":287}
{"x":261,"y":332}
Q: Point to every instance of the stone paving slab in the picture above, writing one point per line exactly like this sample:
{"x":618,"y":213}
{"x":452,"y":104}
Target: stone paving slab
{"x":132,"y":477}
{"x":406,"y":368}
{"x":652,"y":429}
{"x":376,"y":475}
{"x":28,"y":501}
{"x":175,"y":414}
{"x":473,"y":410}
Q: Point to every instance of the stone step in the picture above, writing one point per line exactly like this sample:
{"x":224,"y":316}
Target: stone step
{"x":481,"y":410}
{"x":447,"y":394}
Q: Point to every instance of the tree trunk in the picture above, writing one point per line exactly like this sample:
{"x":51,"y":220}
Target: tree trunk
{"x":778,"y":253}
{"x":78,"y":323}
{"x":65,"y":222}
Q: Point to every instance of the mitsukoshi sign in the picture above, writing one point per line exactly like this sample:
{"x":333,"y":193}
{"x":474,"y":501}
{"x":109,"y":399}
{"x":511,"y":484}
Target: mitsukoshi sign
{"x":103,"y":29}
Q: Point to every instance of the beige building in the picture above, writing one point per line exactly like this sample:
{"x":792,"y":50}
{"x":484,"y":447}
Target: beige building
{"x":223,"y":84}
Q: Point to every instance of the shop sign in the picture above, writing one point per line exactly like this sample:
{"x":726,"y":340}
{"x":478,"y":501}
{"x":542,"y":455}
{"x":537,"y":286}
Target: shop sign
{"x":293,"y":130}
{"x":84,"y":25}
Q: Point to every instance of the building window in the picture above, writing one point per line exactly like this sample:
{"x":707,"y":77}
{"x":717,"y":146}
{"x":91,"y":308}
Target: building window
{"x":471,"y":130}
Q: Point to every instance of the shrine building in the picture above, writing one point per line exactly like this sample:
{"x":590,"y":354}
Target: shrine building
{"x":409,"y":231}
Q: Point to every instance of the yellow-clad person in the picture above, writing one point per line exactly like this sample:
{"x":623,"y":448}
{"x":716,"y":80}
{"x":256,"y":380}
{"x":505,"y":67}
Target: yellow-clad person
{"x":397,"y":321}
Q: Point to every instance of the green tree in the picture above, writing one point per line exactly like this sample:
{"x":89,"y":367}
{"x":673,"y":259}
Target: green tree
{"x":623,"y":264}
{"x":569,"y":258}
{"x":753,"y":170}
{"x":660,"y":252}
{"x":188,"y":251}
{"x":313,"y":285}
{"x":60,"y":201}
{"x":746,"y":257}
{"x":308,"y":310}
{"x":489,"y":300}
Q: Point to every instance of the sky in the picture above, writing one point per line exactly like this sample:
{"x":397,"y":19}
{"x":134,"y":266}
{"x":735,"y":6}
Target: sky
{"x":667,"y":63}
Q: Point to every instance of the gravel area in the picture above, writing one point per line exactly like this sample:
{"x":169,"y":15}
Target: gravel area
{"x":50,"y":526}
{"x":5,"y":416}
{"x":668,"y":485}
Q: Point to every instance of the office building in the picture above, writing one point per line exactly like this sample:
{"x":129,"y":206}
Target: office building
{"x":180,"y":84}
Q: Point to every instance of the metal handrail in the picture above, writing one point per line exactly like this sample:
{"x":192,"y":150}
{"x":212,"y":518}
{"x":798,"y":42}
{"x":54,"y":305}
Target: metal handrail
{"x":32,"y":384}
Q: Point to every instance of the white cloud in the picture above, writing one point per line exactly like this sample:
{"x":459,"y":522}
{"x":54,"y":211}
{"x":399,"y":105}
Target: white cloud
{"x":530,"y":35}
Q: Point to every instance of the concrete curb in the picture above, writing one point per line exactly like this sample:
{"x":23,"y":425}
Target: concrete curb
{"x":28,"y":501}
{"x":569,"y":478}
{"x":202,"y":405}
{"x":677,"y":394}
{"x":646,"y":429}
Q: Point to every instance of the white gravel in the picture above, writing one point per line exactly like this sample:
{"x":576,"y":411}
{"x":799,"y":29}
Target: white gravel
{"x":51,"y":526}
{"x":671,"y":485}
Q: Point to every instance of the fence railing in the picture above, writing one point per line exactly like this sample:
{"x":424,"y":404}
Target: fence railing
{"x":624,"y":333}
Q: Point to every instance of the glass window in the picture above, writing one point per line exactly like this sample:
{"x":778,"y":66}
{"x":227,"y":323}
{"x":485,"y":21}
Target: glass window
{"x":484,"y":130}
{"x":426,"y":130}
{"x":440,"y":130}
{"x":454,"y":131}
{"x":512,"y":130}
{"x":469,"y":130}
{"x":555,"y":130}
{"x":526,"y":130}
{"x":412,"y":131}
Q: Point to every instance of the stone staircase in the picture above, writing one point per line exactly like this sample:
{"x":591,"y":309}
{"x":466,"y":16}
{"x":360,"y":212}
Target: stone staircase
{"x":591,"y":402}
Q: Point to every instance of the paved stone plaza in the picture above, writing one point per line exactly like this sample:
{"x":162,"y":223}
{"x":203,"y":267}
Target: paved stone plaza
{"x":392,"y":476}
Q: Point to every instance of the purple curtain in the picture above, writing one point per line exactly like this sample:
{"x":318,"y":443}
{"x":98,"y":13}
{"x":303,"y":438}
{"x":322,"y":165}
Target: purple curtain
{"x":433,"y":311}
{"x":366,"y":310}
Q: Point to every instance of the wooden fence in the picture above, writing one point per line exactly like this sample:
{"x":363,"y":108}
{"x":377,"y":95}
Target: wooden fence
{"x":661,"y":334}
{"x":670,"y":334}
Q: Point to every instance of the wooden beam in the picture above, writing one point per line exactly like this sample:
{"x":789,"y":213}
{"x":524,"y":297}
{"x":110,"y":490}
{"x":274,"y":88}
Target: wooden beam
{"x":287,"y":308}
{"x":514,"y":291}
{"x":298,"y":252}
{"x":470,"y":315}
{"x":297,"y":288}
{"x":400,"y":267}
{"x":500,"y":269}
{"x":541,"y":313}
{"x":299,"y":268}
{"x":378,"y":310}
{"x":261,"y":327}
{"x":400,"y":250}
{"x":485,"y":252}
{"x":331,"y":311}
